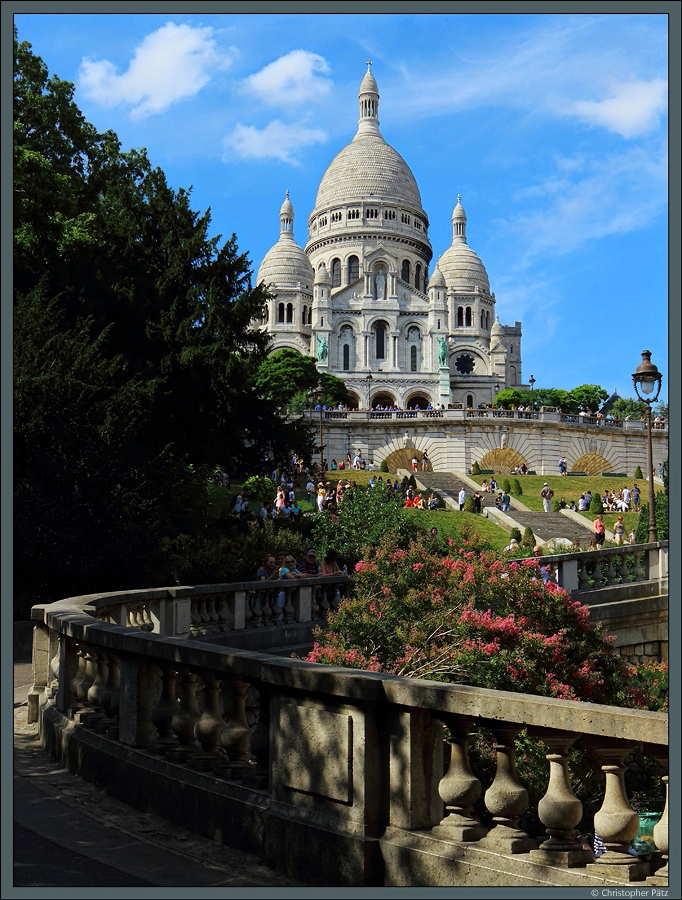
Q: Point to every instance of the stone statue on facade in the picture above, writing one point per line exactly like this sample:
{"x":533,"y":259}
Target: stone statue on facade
{"x":381,"y":286}
{"x":321,"y":348}
{"x":503,"y":440}
{"x":442,"y":353}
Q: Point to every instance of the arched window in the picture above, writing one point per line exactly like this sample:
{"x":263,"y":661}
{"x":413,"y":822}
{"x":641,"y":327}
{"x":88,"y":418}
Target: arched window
{"x":310,"y":316}
{"x":413,"y":358}
{"x":353,"y":268}
{"x":346,"y":357}
{"x":468,"y":316}
{"x":487,"y":319}
{"x":460,"y":316}
{"x":482,"y":319}
{"x":290,"y":312}
{"x":418,"y":277}
{"x":336,"y":273}
{"x":280,"y":312}
{"x":470,"y":400}
{"x":380,"y":335}
{"x":304,"y":316}
{"x":405,"y":270}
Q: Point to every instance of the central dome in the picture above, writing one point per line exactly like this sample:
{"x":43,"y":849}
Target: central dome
{"x":368,"y":167}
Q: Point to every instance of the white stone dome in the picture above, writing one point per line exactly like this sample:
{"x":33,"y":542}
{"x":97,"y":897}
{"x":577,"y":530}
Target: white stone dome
{"x":367,"y":168}
{"x":463,"y":269}
{"x":286,"y":265}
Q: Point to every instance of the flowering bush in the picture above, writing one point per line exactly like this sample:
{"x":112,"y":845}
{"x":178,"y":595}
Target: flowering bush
{"x":471,"y":618}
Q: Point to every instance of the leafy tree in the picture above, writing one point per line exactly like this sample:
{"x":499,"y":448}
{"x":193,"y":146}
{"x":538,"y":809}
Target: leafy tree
{"x":286,"y":376}
{"x":259,"y":489}
{"x":135,"y":352}
{"x":589,"y":397}
{"x":383,"y":466}
{"x":365,"y":518}
{"x":625,"y":407}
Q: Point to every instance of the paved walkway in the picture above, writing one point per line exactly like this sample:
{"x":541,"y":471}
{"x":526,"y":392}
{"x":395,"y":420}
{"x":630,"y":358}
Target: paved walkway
{"x":67,"y":833}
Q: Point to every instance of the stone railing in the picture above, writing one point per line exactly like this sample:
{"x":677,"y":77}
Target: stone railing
{"x":609,"y":567}
{"x":220,"y":608}
{"x":334,"y":776}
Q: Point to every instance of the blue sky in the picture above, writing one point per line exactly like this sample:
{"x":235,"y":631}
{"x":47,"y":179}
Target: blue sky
{"x":553,"y":128}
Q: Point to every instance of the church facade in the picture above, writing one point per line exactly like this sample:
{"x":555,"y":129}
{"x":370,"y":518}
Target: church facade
{"x":359,"y":296}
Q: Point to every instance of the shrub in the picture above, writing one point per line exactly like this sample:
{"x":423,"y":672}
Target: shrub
{"x":596,"y":506}
{"x":259,"y":489}
{"x":528,"y":539}
{"x":412,"y":481}
{"x":475,"y":469}
{"x":469,"y":504}
{"x":383,"y":466}
{"x":638,"y":474}
{"x":506,"y":486}
{"x":515,"y":535}
{"x":555,"y":506}
{"x":516,"y":487}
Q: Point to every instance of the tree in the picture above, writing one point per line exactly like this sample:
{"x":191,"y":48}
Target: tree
{"x":589,"y":397}
{"x":628,"y":407}
{"x":286,"y":377}
{"x":135,"y":352}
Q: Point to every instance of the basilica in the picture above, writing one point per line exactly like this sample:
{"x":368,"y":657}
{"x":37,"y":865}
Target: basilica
{"x":359,"y":296}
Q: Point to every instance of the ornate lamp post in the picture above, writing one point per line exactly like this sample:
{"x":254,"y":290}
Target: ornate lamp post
{"x":318,"y":395}
{"x":531,"y":382}
{"x":647,"y":380}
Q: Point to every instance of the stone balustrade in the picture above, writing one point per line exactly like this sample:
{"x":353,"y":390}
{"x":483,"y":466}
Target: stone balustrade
{"x":545,"y":414}
{"x":612,"y":567}
{"x":334,"y":776}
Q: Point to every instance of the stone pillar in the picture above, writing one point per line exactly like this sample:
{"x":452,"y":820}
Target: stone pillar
{"x":415,"y":768}
{"x":506,"y":798}
{"x":139,"y":692}
{"x":165,"y":711}
{"x":560,"y":810}
{"x":661,"y":841}
{"x":459,"y":788}
{"x":40,"y":662}
{"x":185,"y":717}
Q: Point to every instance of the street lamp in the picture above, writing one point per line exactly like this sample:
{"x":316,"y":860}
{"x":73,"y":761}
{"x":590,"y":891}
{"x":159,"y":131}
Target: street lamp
{"x":647,"y":379}
{"x":368,"y":382}
{"x":531,"y":382}
{"x":319,"y":395}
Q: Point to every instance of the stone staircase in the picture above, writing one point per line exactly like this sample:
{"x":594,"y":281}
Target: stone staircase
{"x":546,"y":526}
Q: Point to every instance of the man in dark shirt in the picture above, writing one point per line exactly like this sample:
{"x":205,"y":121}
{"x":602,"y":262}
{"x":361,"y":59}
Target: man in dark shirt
{"x":308,"y":566}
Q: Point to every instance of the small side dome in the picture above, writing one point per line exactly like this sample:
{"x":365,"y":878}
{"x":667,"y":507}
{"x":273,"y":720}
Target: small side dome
{"x":368,"y":85}
{"x":322,"y":276}
{"x":437,"y":280}
{"x":497,"y":328}
{"x":287,"y":208}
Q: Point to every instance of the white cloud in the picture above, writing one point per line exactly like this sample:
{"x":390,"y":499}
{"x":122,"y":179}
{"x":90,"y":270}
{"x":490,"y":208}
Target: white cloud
{"x":588,"y":199}
{"x":277,"y":140}
{"x":632,"y":109}
{"x":170,"y":64}
{"x":292,"y":79}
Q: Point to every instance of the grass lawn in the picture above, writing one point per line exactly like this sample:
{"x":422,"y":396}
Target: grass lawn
{"x":570,"y":488}
{"x":449,"y":522}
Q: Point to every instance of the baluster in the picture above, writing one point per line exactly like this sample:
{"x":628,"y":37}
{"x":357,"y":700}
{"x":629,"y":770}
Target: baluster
{"x":109,"y":698}
{"x":162,"y":716}
{"x":235,"y":738}
{"x":83,"y":688}
{"x":288,"y":613}
{"x":185,"y":718}
{"x":96,"y":692}
{"x":255,"y":610}
{"x":322,"y":603}
{"x":616,"y":823}
{"x":459,"y":788}
{"x":506,"y":798}
{"x":611,"y":572}
{"x":209,"y":727}
{"x":203,"y":614}
{"x":315,"y":604}
{"x":638,"y":569}
{"x":195,"y":618}
{"x":79,"y":696}
{"x":272,"y":610}
{"x":584,"y":575}
{"x":148,"y":693}
{"x":220,"y":606}
{"x":54,"y":667}
{"x":560,"y":810}
{"x":213,"y":617}
{"x":147,"y":623}
{"x":661,"y":841}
